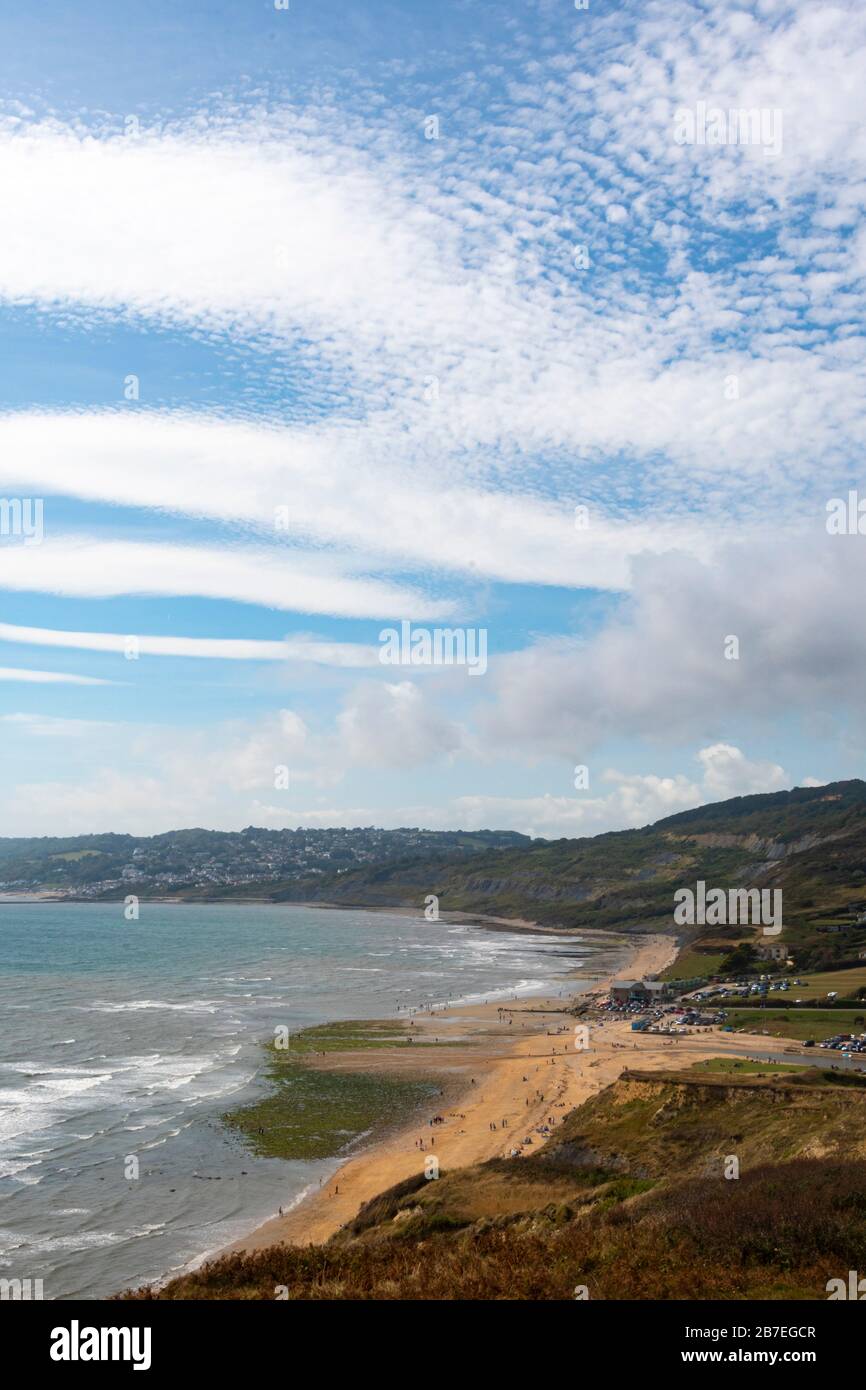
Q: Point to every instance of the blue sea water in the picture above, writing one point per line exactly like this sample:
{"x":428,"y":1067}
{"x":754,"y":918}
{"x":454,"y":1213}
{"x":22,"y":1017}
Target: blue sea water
{"x":129,"y":1039}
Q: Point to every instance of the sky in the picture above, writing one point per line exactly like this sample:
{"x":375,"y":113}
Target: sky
{"x":536,"y":325}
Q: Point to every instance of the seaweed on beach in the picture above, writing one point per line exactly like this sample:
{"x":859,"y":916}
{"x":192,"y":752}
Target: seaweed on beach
{"x":309,"y":1113}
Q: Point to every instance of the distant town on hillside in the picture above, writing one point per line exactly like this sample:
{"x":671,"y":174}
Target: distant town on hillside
{"x":96,"y":866}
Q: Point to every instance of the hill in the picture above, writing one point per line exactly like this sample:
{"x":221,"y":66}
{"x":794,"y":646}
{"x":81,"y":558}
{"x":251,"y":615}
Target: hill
{"x":223,"y":863}
{"x":809,"y":842}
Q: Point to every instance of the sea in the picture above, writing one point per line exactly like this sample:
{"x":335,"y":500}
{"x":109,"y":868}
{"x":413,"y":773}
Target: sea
{"x":128,"y":1040}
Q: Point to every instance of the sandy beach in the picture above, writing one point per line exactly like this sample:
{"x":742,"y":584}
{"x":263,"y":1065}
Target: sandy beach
{"x":517,"y":1068}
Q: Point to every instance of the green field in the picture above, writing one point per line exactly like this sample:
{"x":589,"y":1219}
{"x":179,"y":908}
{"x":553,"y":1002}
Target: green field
{"x":690,"y":964}
{"x":798,"y":1024}
{"x":740,"y":1067}
{"x":845,"y":982}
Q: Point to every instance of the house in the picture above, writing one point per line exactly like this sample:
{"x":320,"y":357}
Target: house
{"x":772,"y":950}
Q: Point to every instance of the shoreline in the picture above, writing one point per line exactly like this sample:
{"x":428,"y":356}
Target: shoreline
{"x":397,"y":909}
{"x":486,"y":1092}
{"x":491,"y":922}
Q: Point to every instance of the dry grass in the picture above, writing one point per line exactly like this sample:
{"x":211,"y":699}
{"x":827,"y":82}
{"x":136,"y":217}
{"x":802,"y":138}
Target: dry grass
{"x":780,"y":1232}
{"x":629,"y":1200}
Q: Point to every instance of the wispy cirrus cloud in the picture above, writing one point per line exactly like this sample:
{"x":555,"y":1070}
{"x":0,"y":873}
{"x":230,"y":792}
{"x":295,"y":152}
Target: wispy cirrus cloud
{"x":340,"y":654}
{"x":313,"y":488}
{"x":31,"y":677}
{"x":81,"y":565}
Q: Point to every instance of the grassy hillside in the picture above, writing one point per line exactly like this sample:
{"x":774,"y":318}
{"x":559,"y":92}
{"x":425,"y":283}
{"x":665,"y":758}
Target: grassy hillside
{"x":628,"y":1201}
{"x":810,"y":842}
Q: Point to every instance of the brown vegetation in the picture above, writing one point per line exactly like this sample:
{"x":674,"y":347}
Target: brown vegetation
{"x":629,"y":1201}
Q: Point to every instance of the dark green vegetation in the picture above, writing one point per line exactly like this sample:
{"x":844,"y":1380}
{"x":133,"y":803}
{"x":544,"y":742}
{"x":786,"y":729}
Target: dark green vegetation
{"x":740,"y":1066}
{"x":215,"y":863}
{"x":810,"y":843}
{"x":309,"y":1113}
{"x":629,"y":1199}
{"x":799,"y":1024}
{"x":690,"y":963}
{"x":352,"y":1035}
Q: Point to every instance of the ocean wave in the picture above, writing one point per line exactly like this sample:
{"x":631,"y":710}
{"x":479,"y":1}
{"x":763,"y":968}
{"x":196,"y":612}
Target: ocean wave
{"x":16,"y":1167}
{"x":82,"y":1240}
{"x":33,"y":1069}
{"x":192,"y":1006}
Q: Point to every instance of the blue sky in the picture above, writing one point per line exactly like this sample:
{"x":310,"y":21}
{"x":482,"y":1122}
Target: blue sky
{"x":319,"y":321}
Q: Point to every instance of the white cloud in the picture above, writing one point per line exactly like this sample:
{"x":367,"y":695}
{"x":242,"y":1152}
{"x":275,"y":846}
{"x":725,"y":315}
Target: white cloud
{"x":320,"y":488}
{"x":144,"y":780}
{"x":13,"y":673}
{"x":658,"y":670}
{"x":341,"y":654}
{"x":636,"y":799}
{"x":727,"y":773}
{"x":459,"y":271}
{"x":395,"y":725}
{"x":233,"y":229}
{"x":83,"y":566}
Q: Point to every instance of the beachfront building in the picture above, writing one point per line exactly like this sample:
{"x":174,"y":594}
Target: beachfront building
{"x":638,"y":991}
{"x":622,"y":991}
